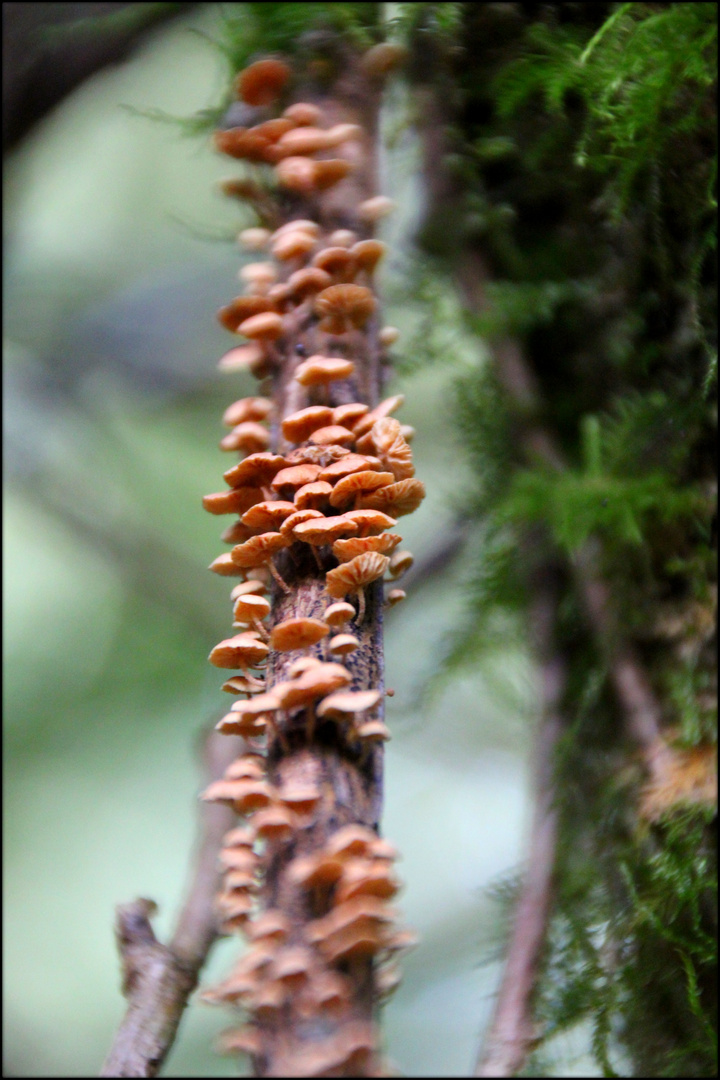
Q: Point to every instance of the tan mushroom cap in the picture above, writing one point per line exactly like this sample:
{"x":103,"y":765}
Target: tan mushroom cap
{"x":350,"y":840}
{"x":395,"y":596}
{"x":348,"y":415}
{"x":224,"y":566}
{"x":388,"y":335}
{"x":241,"y":836}
{"x":342,"y":238}
{"x":243,"y":144}
{"x":367,"y":877}
{"x":349,"y":1052}
{"x":344,"y":306}
{"x":293,"y":965}
{"x":391,"y":447}
{"x":385,"y":408}
{"x":307,"y":281}
{"x":245,"y":796}
{"x":258,"y":549}
{"x":374,"y":209}
{"x":402,"y":497}
{"x":311,"y":496}
{"x":244,"y":1040}
{"x":251,"y":607}
{"x":298,"y":633}
{"x":247,"y":408}
{"x":266,"y":1001}
{"x":298,"y":426}
{"x":248,"y":357}
{"x":321,"y":370}
{"x":262,"y":82}
{"x":237,"y":533}
{"x":247,"y":587}
{"x":348,"y":703}
{"x":298,"y":225}
{"x":300,"y":797}
{"x":236,"y":501}
{"x":344,"y":550}
{"x":250,"y":766}
{"x":301,"y":665}
{"x":311,"y":871}
{"x":351,"y":463}
{"x":259,"y":273}
{"x":331,"y":171}
{"x":241,"y":651}
{"x":254,"y":239}
{"x":295,"y":477}
{"x":351,"y":576}
{"x":288,"y":526}
{"x":257,"y":470}
{"x":337,"y":262}
{"x":239,"y":858}
{"x":383,"y":849}
{"x":272,"y":925}
{"x":249,"y":437}
{"x":374,"y":730}
{"x":275,"y":822}
{"x":241,"y":308}
{"x":268,"y":516}
{"x":368,"y":253}
{"x":349,"y":487}
{"x":293,"y":245}
{"x":324,"y":530}
{"x":400,"y":563}
{"x":266,"y":326}
{"x":247,"y":726}
{"x":297,"y":174}
{"x":332,"y":435}
{"x":243,"y":684}
{"x":315,"y":683}
{"x":370,"y":522}
{"x":303,"y":113}
{"x":343,"y":644}
{"x":304,"y":140}
{"x":338,"y":614}
{"x":327,"y":991}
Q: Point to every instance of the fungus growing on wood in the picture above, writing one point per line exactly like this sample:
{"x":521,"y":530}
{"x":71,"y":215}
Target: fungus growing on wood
{"x":367,"y":254}
{"x":288,"y":526}
{"x":349,"y":414}
{"x":247,"y":408}
{"x":324,"y":530}
{"x":224,"y":566}
{"x":236,"y":501}
{"x":256,"y":470}
{"x":385,"y":408}
{"x":395,"y":596}
{"x":331,"y":171}
{"x":370,"y":522}
{"x":342,"y":307}
{"x":372,"y":210}
{"x":314,"y":683}
{"x":312,"y":496}
{"x":303,"y":141}
{"x":247,"y":587}
{"x":242,"y":651}
{"x":350,"y":488}
{"x":242,"y":308}
{"x":400,"y":498}
{"x":262,"y":82}
{"x":391,"y":447}
{"x":275,"y":823}
{"x":248,"y":357}
{"x":342,"y":238}
{"x":264,"y":327}
{"x":300,"y":425}
{"x":321,"y":370}
{"x":258,"y":551}
{"x":353,"y":576}
{"x":259,"y":276}
{"x":306,"y":282}
{"x":303,"y":114}
{"x":297,"y":633}
{"x":297,"y":174}
{"x":373,"y":731}
{"x":343,"y":644}
{"x":251,"y":609}
{"x":400,"y":563}
{"x":347,"y":704}
{"x":243,"y":684}
{"x":337,"y":262}
{"x":293,"y":245}
{"x":338,"y":614}
{"x":332,"y":435}
{"x":344,"y":550}
{"x":248,"y":437}
{"x":268,"y":516}
{"x":349,"y":464}
{"x":254,"y":239}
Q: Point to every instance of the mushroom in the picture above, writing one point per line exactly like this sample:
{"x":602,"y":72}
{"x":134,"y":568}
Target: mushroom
{"x":245,"y":796}
{"x":255,"y":239}
{"x":400,"y":563}
{"x":349,"y":464}
{"x":298,"y":426}
{"x":389,"y":405}
{"x":297,"y":633}
{"x":248,"y":357}
{"x":249,"y":437}
{"x":250,"y":609}
{"x":259,"y":550}
{"x":341,"y":133}
{"x":347,"y":704}
{"x":257,"y":469}
{"x":312,"y":496}
{"x":225,"y":566}
{"x":271,"y":926}
{"x":343,"y":644}
{"x":304,"y":141}
{"x":353,"y":576}
{"x":308,"y":281}
{"x":236,"y":501}
{"x":338,"y":614}
{"x":244,"y":1040}
{"x":242,"y":308}
{"x":301,"y":665}
{"x":268,"y":516}
{"x":301,"y":799}
{"x":297,"y":174}
{"x":349,"y":414}
{"x":247,"y":408}
{"x":337,"y":262}
{"x":342,"y":307}
{"x":288,"y":526}
{"x":247,"y":587}
{"x":344,"y":550}
{"x":349,"y":489}
{"x":259,"y":276}
{"x":262,"y":82}
{"x":242,"y":651}
{"x":332,"y":435}
{"x":374,"y":731}
{"x":243,"y":684}
{"x":275,"y":823}
{"x":324,"y":530}
{"x":388,"y":335}
{"x":246,"y":765}
{"x":342,"y":238}
{"x":391,"y":447}
{"x":321,"y":370}
{"x":303,"y":114}
{"x":367,"y":254}
{"x":367,"y":877}
{"x":293,"y":245}
{"x":267,"y":326}
{"x":372,"y":210}
{"x":370,"y":522}
{"x":401,"y":498}
{"x":330,"y":171}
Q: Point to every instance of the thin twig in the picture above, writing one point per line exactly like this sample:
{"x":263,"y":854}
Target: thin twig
{"x":158,"y":979}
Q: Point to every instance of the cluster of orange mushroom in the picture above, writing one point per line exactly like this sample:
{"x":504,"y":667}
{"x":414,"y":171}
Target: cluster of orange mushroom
{"x":320,"y":487}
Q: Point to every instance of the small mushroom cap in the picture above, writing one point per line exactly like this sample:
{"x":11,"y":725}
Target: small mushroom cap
{"x":300,"y":425}
{"x":254,"y":239}
{"x":251,"y":607}
{"x":392,"y":448}
{"x":247,"y":408}
{"x":262,"y":273}
{"x":258,"y":549}
{"x":300,"y":666}
{"x":293,"y":964}
{"x":293,"y":245}
{"x":330,"y":171}
{"x":342,"y":238}
{"x":243,"y":143}
{"x":248,"y":357}
{"x":245,"y":796}
{"x":349,"y":414}
{"x":241,"y":651}
{"x":385,"y":408}
{"x":370,"y":522}
{"x":349,"y":487}
{"x":237,"y":533}
{"x":351,"y":576}
{"x":338,"y":614}
{"x":297,"y":174}
{"x":395,"y":596}
{"x":271,"y":925}
{"x":244,"y":1040}
{"x":247,"y":726}
{"x":243,"y":684}
{"x":250,"y":437}
{"x":348,"y":703}
{"x":349,"y":1052}
{"x":351,"y":463}
{"x":242,"y":836}
{"x":288,"y":526}
{"x":400,"y":563}
{"x":343,"y":644}
{"x":300,"y":796}
{"x":332,"y":435}
{"x":262,"y":82}
{"x":295,"y":477}
{"x":247,"y":587}
{"x":268,"y":326}
{"x":257,"y":469}
{"x":324,"y":530}
{"x":224,"y":566}
{"x":308,"y":281}
{"x":298,"y":225}
{"x":344,"y":306}
{"x":268,"y":516}
{"x":315,"y":683}
{"x":304,"y":140}
{"x":311,"y":871}
{"x":372,"y":730}
{"x":341,"y":133}
{"x":303,"y":114}
{"x":242,"y":308}
{"x":350,"y":840}
{"x":248,"y":765}
{"x":336,"y":261}
{"x":312,"y":495}
{"x":367,"y":877}
{"x":297,"y":633}
{"x":344,"y":550}
{"x":274,"y":823}
{"x":374,"y":209}
{"x":383,"y":849}
{"x":388,"y":335}
{"x":402,"y":497}
{"x":368,"y":253}
{"x":236,"y":501}
{"x":321,"y":370}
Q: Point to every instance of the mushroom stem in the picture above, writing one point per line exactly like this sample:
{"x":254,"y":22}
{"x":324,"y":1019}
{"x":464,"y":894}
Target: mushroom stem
{"x":262,"y":630}
{"x":283,"y":585}
{"x":317,"y":558}
{"x":361,"y":606}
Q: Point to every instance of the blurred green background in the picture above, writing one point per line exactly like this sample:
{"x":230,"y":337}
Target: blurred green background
{"x":112,"y":407}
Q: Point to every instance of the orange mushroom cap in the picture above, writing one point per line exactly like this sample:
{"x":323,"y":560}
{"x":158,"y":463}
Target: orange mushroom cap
{"x":351,"y":576}
{"x":258,"y":549}
{"x":298,"y":426}
{"x":267,"y":326}
{"x":248,"y":408}
{"x":321,"y":370}
{"x":268,"y":516}
{"x":401,"y":498}
{"x":257,"y":469}
{"x":297,"y":633}
{"x":348,"y":488}
{"x":344,"y":306}
{"x":324,"y":530}
{"x":262,"y":82}
{"x":344,"y":550}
